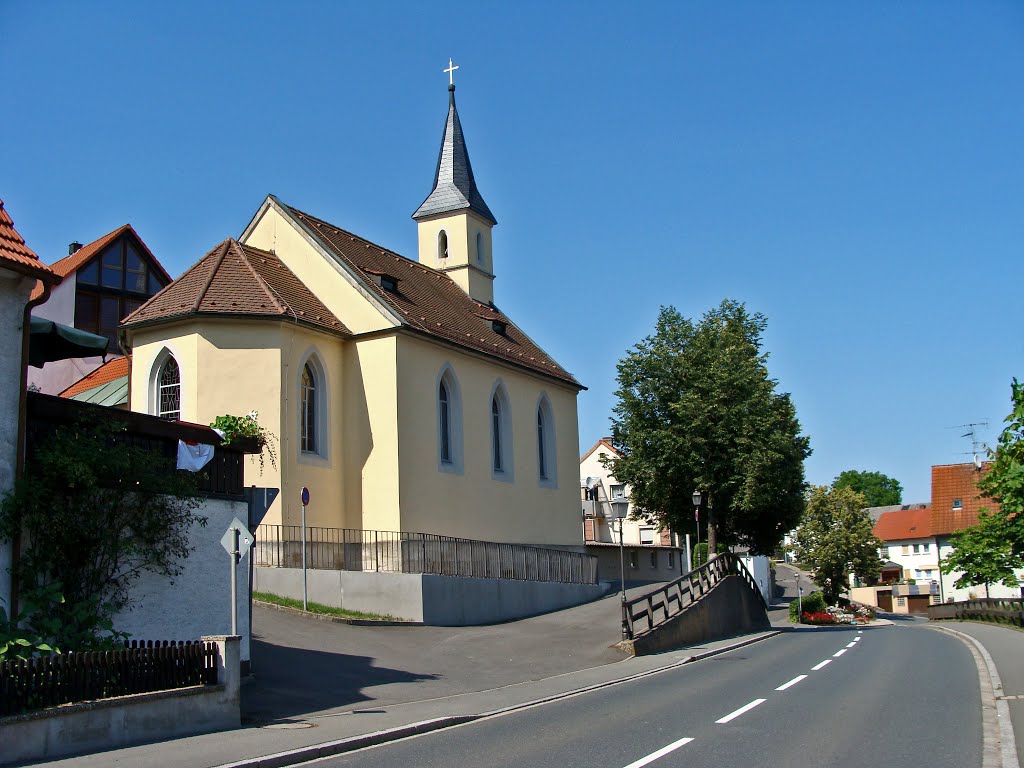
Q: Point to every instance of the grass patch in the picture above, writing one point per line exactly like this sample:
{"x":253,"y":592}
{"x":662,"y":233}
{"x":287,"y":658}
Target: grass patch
{"x":324,"y":610}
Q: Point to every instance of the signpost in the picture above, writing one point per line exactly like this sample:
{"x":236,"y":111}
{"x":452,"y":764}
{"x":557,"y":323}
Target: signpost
{"x":305,"y":501}
{"x":236,"y":540}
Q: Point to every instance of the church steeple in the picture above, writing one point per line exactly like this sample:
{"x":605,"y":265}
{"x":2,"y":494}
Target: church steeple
{"x":454,"y":222}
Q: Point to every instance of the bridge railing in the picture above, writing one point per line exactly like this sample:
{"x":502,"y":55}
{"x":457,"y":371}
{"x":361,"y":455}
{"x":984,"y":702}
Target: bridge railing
{"x":647,"y":612}
{"x":997,"y":609}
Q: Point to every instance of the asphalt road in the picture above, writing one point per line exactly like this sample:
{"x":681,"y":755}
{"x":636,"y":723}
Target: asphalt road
{"x":900,"y":695}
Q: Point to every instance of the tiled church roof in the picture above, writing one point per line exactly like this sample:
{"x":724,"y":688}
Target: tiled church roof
{"x":431,"y":302}
{"x":236,"y":280}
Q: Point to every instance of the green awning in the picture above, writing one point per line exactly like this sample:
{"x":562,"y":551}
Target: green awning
{"x":49,"y":341}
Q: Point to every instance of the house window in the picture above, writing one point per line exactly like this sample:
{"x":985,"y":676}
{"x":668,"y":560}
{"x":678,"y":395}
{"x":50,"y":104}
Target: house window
{"x":654,"y":558}
{"x":906,"y":549}
{"x":632,"y":558}
{"x":925,"y":548}
{"x":169,"y":391}
{"x":546,"y":462}
{"x":646,"y":535}
{"x":617,"y":491}
{"x":883,"y":552}
{"x":671,"y":558}
{"x":449,"y":422}
{"x":308,"y":436}
{"x":389,"y":284}
{"x":901,"y":601}
{"x":958,"y":503}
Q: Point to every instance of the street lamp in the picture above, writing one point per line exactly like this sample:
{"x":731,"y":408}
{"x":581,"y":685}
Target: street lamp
{"x":620,"y":507}
{"x":696,"y":516}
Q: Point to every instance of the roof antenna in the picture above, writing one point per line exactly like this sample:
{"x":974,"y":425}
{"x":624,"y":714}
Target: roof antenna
{"x":978,"y":446}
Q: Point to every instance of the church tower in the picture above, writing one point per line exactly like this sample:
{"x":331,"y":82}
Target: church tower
{"x":454,"y":221}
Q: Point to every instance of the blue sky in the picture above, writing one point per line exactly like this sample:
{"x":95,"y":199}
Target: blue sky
{"x":851,"y":170}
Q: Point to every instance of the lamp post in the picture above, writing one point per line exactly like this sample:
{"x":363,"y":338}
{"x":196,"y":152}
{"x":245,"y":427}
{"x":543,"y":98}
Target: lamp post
{"x":799,"y":599}
{"x":696,"y":516}
{"x":620,"y":507}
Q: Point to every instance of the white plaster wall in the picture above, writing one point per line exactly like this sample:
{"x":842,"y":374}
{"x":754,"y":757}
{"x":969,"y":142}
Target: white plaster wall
{"x":14,"y":293}
{"x":197,"y":602}
{"x":592,"y":467}
{"x":760,"y":569}
{"x":977,"y":591}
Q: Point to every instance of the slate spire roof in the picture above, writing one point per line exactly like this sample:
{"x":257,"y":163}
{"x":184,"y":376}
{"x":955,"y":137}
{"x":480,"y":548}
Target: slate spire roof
{"x":236,"y":280}
{"x":454,"y":185}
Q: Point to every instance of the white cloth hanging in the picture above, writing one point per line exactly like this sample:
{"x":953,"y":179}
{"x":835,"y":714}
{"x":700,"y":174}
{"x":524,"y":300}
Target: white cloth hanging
{"x":193,"y":456}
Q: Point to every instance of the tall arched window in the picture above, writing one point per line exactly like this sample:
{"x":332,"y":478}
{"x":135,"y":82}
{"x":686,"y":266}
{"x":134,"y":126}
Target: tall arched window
{"x":445,"y":425}
{"x":546,"y":461}
{"x":442,"y":245}
{"x":168,"y":396}
{"x":497,"y":460}
{"x":308,"y":437}
{"x":449,"y":422}
{"x":501,"y":435}
{"x":479,"y":247}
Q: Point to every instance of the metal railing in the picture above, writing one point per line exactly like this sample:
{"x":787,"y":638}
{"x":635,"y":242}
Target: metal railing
{"x":647,"y":612}
{"x":352,"y":549}
{"x":996,"y":609}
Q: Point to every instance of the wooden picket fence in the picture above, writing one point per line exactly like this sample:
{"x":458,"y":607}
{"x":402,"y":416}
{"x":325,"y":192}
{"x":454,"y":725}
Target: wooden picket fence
{"x":68,"y":678}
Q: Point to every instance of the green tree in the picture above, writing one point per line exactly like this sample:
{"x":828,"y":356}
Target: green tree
{"x":835,"y":539}
{"x":94,"y":513}
{"x":983,"y":553}
{"x":696,"y":409}
{"x":1003,"y":481}
{"x":879,"y":490}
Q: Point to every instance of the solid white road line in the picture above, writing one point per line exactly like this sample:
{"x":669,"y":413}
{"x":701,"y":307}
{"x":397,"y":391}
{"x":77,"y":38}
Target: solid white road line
{"x":850,"y":645}
{"x":791,"y":683}
{"x":660,"y":753}
{"x":821,"y":664}
{"x":840,"y":652}
{"x":741,"y":710}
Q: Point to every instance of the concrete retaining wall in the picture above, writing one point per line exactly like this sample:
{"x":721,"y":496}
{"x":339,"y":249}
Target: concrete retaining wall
{"x":436,"y":600}
{"x":730,"y":608}
{"x":94,"y":726}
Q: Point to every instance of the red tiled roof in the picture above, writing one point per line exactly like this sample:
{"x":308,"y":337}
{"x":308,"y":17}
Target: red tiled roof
{"x":110,"y":370}
{"x":957,"y":481}
{"x":431,"y":302}
{"x":605,"y":442}
{"x":71,"y":263}
{"x":16,"y":255}
{"x":235,"y":279}
{"x":904,"y":524}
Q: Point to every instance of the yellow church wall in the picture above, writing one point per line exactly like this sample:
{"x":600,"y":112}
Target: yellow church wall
{"x":471,"y":503}
{"x":273,"y":232}
{"x":149,"y":345}
{"x":461,"y":230}
{"x":370,"y":484}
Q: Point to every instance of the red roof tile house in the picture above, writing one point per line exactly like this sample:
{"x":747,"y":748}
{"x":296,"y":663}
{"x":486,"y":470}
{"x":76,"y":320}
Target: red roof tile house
{"x":20,"y":269}
{"x":399,"y":392}
{"x":102,"y":283}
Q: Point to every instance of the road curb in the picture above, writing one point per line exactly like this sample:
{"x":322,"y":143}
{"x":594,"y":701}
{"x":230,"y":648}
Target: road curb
{"x":995,"y":711}
{"x":352,"y":743}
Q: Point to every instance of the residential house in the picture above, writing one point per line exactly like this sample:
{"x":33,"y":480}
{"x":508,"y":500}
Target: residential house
{"x":402,"y":396}
{"x":649,"y":554}
{"x":102,"y":283}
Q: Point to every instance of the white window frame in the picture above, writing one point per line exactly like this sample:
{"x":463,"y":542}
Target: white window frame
{"x":156,"y":373}
{"x":447,"y":376}
{"x":546,"y":441}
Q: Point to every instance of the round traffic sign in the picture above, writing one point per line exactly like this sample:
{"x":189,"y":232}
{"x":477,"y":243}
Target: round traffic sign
{"x":305,"y":496}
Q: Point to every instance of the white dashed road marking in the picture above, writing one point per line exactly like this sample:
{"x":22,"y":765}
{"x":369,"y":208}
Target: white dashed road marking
{"x":791,"y":683}
{"x":821,"y":664}
{"x":741,"y":710}
{"x":660,"y":753}
{"x":840,"y":652}
{"x":850,"y":645}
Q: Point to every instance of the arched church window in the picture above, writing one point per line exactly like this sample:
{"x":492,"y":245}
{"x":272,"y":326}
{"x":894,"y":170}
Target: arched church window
{"x":445,"y":425}
{"x":168,"y":400}
{"x":496,"y":453}
{"x":442,"y":245}
{"x":308,"y":438}
{"x":479,"y":247}
{"x":545,"y":442}
{"x":449,"y":422}
{"x":501,"y":435}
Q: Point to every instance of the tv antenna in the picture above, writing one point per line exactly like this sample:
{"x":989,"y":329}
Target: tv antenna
{"x":978,"y":446}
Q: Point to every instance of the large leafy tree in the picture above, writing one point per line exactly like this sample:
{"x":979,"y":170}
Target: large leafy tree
{"x":983,"y":554}
{"x":879,"y":490}
{"x":835,"y":539}
{"x":696,"y":409}
{"x":1004,"y":480}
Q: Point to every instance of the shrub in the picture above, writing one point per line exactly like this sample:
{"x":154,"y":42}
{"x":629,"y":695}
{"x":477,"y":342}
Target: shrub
{"x":813,"y":602}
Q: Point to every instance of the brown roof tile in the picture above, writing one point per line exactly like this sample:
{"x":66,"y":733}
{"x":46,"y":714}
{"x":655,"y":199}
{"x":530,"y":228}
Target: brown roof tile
{"x":110,"y":370}
{"x":235,"y":279}
{"x":904,"y":524}
{"x":69,"y":264}
{"x":957,"y":481}
{"x":16,"y":255}
{"x":431,"y":302}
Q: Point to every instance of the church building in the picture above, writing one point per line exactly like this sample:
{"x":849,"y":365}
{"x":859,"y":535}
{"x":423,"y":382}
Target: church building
{"x":400,"y":394}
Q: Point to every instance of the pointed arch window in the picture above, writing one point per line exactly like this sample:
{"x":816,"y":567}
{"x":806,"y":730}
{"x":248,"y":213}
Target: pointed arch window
{"x":497,"y":460}
{"x":168,"y":396}
{"x":501,"y":435}
{"x":445,"y":425}
{"x":449,"y":422}
{"x":546,"y":461}
{"x":479,"y":248}
{"x":442,"y":245}
{"x":308,"y":437}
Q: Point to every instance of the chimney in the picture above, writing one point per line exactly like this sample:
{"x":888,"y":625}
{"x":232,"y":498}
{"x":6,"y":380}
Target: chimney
{"x":74,"y":247}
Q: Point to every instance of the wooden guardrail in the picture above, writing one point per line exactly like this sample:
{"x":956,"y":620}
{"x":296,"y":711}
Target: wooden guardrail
{"x":996,"y":609}
{"x":645,"y":613}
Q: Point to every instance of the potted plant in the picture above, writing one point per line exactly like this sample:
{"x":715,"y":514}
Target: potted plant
{"x":234,"y":427}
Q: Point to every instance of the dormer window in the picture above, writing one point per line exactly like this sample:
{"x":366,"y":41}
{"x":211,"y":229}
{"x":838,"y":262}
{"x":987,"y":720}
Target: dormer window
{"x":500,"y":327}
{"x":958,"y":503}
{"x":389,"y":284}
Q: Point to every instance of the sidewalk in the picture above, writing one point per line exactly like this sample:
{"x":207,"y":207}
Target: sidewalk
{"x":304,"y":738}
{"x":1005,"y":646}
